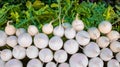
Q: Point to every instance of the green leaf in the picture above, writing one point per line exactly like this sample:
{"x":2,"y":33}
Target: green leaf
{"x":28,"y":4}
{"x":54,"y":5}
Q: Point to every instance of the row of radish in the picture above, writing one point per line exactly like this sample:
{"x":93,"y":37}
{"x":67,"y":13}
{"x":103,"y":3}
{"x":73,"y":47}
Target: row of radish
{"x":99,"y":44}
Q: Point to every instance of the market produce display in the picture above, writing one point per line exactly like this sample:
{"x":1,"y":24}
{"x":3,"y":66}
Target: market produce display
{"x":60,"y":43}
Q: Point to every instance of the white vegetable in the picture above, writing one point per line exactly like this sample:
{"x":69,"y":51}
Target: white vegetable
{"x":46,"y":55}
{"x":10,"y":29}
{"x":70,"y":33}
{"x":2,"y":63}
{"x":58,"y":31}
{"x":66,"y":25}
{"x":20,"y":31}
{"x":91,"y":50}
{"x":103,"y":41}
{"x":34,"y":63}
{"x":77,"y":24}
{"x":60,"y":56}
{"x":118,"y":56}
{"x":12,"y":41}
{"x":51,"y":64}
{"x":78,"y":60}
{"x":32,"y":52}
{"x":105,"y":27}
{"x":83,"y":38}
{"x":96,"y":62}
{"x":47,"y":28}
{"x":115,"y":46}
{"x":32,"y":30}
{"x":113,"y":63}
{"x":71,"y":46}
{"x":41,"y":40}
{"x":3,"y":38}
{"x":19,"y":52}
{"x":24,"y":40}
{"x":94,"y":33}
{"x":14,"y":63}
{"x":106,"y":54}
{"x":55,"y":43}
{"x":113,"y":35}
{"x":6,"y":54}
{"x":64,"y":65}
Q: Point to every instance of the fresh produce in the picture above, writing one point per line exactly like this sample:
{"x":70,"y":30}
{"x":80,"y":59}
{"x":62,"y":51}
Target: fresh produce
{"x":20,"y":31}
{"x":47,"y":28}
{"x":51,"y":64}
{"x":63,"y":65}
{"x":12,"y":41}
{"x":58,"y":31}
{"x":113,"y":63}
{"x":34,"y":63}
{"x":3,"y":38}
{"x":115,"y":46}
{"x":32,"y":30}
{"x":70,"y":33}
{"x":2,"y":63}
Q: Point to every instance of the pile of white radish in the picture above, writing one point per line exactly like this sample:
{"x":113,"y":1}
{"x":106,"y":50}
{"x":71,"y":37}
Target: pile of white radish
{"x":70,"y":45}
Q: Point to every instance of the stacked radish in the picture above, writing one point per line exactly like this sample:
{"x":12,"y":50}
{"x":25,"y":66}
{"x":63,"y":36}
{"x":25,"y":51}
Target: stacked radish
{"x":70,"y":45}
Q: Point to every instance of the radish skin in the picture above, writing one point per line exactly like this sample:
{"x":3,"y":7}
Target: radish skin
{"x":32,"y":30}
{"x":58,"y":31}
{"x":64,"y":65}
{"x":115,"y":46}
{"x":20,"y":31}
{"x":3,"y":38}
{"x":11,"y":41}
{"x":70,"y":33}
{"x":47,"y":28}
{"x":113,"y":63}
{"x":51,"y":64}
{"x":34,"y":63}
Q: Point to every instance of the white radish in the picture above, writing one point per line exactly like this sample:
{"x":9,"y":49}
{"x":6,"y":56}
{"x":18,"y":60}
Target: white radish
{"x":106,"y":54}
{"x":60,"y":56}
{"x":115,"y":46}
{"x":32,"y":30}
{"x":70,"y":33}
{"x":118,"y":56}
{"x":24,"y":40}
{"x":19,"y":52}
{"x":41,"y":40}
{"x":83,"y":38}
{"x":20,"y":31}
{"x":71,"y":46}
{"x":94,"y":33}
{"x":51,"y":64}
{"x":113,"y":63}
{"x":11,"y":41}
{"x":105,"y":27}
{"x":14,"y":63}
{"x":32,"y":52}
{"x":55,"y":43}
{"x":47,"y":28}
{"x":78,"y":60}
{"x":6,"y":54}
{"x":96,"y":62}
{"x":103,"y":41}
{"x":34,"y":63}
{"x":91,"y":50}
{"x":64,"y":65}
{"x":2,"y":63}
{"x":58,"y":31}
{"x":3,"y":38}
{"x":66,"y":25}
{"x":77,"y":24}
{"x":46,"y":55}
{"x":113,"y":35}
{"x":10,"y":29}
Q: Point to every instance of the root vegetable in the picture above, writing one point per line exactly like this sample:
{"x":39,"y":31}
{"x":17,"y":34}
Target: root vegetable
{"x":83,"y":38}
{"x":60,"y":56}
{"x":32,"y":52}
{"x":106,"y":54}
{"x":51,"y":64}
{"x":19,"y":52}
{"x":47,"y":28}
{"x":41,"y":40}
{"x":64,"y":65}
{"x":78,"y":60}
{"x":113,"y":63}
{"x":70,"y":33}
{"x":71,"y":46}
{"x":115,"y":46}
{"x":91,"y":50}
{"x":24,"y":40}
{"x":34,"y":63}
{"x":118,"y":56}
{"x":14,"y":63}
{"x":3,"y":38}
{"x":103,"y":41}
{"x":2,"y":63}
{"x":94,"y":33}
{"x":66,"y":25}
{"x":105,"y":27}
{"x":10,"y":29}
{"x":55,"y":43}
{"x":12,"y":41}
{"x":20,"y":31}
{"x":32,"y":30}
{"x":6,"y":54}
{"x":96,"y":62}
{"x":58,"y":31}
{"x":46,"y":55}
